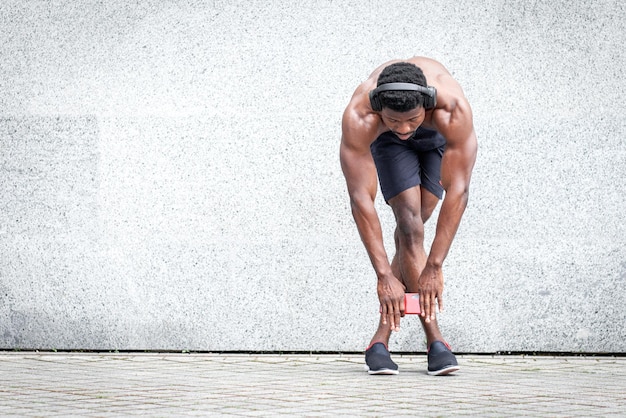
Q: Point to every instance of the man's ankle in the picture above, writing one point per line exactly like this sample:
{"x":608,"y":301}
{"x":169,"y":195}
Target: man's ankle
{"x":376,"y":342}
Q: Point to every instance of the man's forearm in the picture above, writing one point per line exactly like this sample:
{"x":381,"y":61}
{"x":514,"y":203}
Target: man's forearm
{"x":450,"y":215}
{"x":368,"y":225}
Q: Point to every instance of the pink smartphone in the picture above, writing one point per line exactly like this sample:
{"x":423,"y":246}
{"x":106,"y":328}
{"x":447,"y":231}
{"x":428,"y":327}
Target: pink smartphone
{"x":411,"y":303}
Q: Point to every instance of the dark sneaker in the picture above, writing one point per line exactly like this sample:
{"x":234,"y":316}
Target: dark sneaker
{"x":378,"y":360}
{"x":441,"y":361}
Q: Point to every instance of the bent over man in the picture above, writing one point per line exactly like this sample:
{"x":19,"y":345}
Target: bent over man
{"x":411,"y":124}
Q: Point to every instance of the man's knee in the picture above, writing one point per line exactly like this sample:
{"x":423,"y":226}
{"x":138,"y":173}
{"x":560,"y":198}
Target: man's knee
{"x":429,"y":203}
{"x":410,"y":227}
{"x":407,"y":209}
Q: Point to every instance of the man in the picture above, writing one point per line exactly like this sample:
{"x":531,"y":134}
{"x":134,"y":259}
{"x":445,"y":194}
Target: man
{"x":401,"y":131}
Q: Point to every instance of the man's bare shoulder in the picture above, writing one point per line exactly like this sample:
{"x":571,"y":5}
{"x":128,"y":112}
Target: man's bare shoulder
{"x":360,"y":124}
{"x":429,"y":64}
{"x":437,"y":75}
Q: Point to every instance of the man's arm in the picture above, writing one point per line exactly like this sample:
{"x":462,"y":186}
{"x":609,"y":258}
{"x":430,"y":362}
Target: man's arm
{"x":454,"y":122}
{"x":360,"y":173}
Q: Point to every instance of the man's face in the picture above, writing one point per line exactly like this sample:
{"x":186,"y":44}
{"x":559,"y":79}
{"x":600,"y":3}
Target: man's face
{"x":403,"y":124}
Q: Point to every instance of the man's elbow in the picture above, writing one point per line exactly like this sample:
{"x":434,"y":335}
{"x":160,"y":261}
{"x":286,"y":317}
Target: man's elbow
{"x":360,"y":201}
{"x":459,"y":192}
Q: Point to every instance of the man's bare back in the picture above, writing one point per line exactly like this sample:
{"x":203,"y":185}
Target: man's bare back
{"x":449,"y":94}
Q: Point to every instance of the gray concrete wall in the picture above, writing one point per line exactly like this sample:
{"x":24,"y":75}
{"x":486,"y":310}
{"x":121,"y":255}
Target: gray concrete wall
{"x":169,"y":174}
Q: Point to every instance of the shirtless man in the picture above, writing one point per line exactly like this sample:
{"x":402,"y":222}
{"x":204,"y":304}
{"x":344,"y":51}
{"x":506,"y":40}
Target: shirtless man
{"x":401,"y":133}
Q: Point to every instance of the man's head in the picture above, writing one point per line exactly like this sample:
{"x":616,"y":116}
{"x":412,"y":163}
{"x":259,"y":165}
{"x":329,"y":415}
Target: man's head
{"x":401,"y":100}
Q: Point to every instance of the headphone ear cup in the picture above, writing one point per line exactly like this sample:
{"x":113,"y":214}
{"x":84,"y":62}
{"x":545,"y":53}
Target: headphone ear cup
{"x":430,"y":98}
{"x":374,"y":102}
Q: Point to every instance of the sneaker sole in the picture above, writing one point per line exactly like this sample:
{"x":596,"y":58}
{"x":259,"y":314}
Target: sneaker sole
{"x":444,"y":371}
{"x":381,"y":371}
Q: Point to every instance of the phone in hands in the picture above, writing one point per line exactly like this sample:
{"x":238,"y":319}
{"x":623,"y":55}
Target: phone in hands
{"x":411,"y":303}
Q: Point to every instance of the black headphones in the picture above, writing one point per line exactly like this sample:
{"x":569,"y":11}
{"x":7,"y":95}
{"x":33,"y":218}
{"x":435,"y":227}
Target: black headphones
{"x":429,"y":93}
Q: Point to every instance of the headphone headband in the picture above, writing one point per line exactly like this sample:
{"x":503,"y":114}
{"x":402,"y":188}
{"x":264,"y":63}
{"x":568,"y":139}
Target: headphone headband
{"x":429,"y":93}
{"x":401,"y":87}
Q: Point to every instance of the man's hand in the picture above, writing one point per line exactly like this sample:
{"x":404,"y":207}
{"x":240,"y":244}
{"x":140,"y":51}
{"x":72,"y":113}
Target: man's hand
{"x":391,"y":297}
{"x":430,"y":289}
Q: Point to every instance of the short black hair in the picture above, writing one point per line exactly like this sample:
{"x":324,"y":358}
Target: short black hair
{"x":402,"y":72}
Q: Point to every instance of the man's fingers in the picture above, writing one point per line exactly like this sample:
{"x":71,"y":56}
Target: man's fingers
{"x":433,"y":308}
{"x":389,"y":315}
{"x":394,"y":316}
{"x":427,"y":308}
{"x":391,"y":312}
{"x":383,"y":313}
{"x":440,"y":303}
{"x":392,"y":321}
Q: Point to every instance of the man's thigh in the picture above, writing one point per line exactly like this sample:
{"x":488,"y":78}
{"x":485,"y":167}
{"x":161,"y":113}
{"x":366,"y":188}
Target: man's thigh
{"x":397,"y":165}
{"x":401,"y":166}
{"x":430,"y":170}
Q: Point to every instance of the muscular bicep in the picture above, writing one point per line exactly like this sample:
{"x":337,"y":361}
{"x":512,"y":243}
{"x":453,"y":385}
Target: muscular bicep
{"x":456,"y":125}
{"x":359,"y":171}
{"x":356,"y":159}
{"x":458,"y":163}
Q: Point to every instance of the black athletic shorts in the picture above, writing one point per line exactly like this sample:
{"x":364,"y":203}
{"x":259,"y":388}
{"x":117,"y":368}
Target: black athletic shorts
{"x":405,"y":164}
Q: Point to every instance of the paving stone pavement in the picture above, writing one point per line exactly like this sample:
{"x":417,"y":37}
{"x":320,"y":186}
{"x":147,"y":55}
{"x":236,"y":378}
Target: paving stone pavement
{"x":155,"y":384}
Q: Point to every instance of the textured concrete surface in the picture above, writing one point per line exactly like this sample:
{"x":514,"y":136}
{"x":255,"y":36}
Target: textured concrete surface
{"x":97,"y":385}
{"x":169,"y":174}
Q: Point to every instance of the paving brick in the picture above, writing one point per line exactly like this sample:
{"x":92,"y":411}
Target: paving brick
{"x":96,"y":384}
